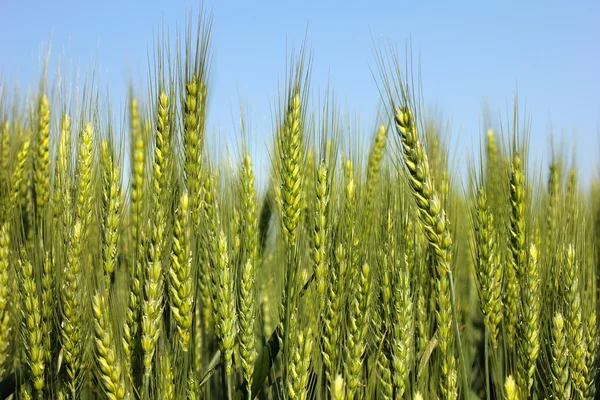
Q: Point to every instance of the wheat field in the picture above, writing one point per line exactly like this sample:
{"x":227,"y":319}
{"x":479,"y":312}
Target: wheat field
{"x":138,"y":263}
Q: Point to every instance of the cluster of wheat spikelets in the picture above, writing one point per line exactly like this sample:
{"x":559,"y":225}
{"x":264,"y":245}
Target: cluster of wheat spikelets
{"x":353,"y":275}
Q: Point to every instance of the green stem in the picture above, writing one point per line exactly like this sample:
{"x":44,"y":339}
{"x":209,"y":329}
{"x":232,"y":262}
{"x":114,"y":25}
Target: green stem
{"x":487,"y":363}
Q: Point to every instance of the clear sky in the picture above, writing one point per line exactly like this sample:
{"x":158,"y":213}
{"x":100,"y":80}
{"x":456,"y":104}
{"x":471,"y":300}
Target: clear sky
{"x":471,"y":53}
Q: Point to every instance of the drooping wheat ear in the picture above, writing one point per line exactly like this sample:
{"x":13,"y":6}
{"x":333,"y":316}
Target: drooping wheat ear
{"x":402,"y":340}
{"x":138,"y":173}
{"x":112,"y":201}
{"x":320,"y":237}
{"x":510,"y":386}
{"x":530,"y":322}
{"x":226,"y":314}
{"x":560,"y":360}
{"x":436,"y":226}
{"x":48,"y":306}
{"x":32,"y":324}
{"x":5,"y":298}
{"x":591,"y":355}
{"x":338,"y":390}
{"x":575,"y":329}
{"x":514,"y":271}
{"x":180,"y":284}
{"x":42,"y":157}
{"x":358,"y":325}
{"x":167,"y":379}
{"x":107,"y":358}
{"x":152,"y":306}
{"x":373,"y":174}
{"x":299,"y":368}
{"x":489,"y":273}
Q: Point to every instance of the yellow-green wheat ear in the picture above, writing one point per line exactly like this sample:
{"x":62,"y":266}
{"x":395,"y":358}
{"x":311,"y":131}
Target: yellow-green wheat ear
{"x":575,"y":329}
{"x":515,"y":271}
{"x":32,"y":327}
{"x":192,"y":146}
{"x":154,"y":284}
{"x":560,"y":360}
{"x":436,"y":226}
{"x":5,"y":315}
{"x":247,"y":293}
{"x":320,"y":237}
{"x":111,"y":228}
{"x":358,"y":325}
{"x":138,"y":171}
{"x":19,"y":176}
{"x":402,"y":341}
{"x":226,"y":312}
{"x":180,"y":273}
{"x":107,"y":357}
{"x":374,"y":173}
{"x":489,"y":272}
{"x":42,"y":157}
{"x":300,"y":363}
{"x":529,"y":328}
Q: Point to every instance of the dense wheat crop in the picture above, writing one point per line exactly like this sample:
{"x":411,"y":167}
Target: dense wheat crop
{"x":135,"y":263}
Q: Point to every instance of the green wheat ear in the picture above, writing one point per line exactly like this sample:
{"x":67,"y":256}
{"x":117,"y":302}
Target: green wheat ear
{"x":42,"y":157}
{"x":436,"y":226}
{"x":5,"y":314}
{"x":180,"y":283}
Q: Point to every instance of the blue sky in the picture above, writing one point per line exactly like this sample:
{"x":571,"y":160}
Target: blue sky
{"x":472,"y":53}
